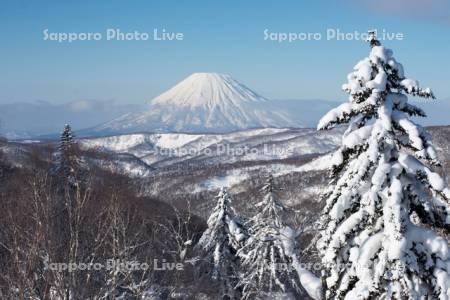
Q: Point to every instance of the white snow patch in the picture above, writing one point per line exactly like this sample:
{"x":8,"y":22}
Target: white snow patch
{"x":231,"y":178}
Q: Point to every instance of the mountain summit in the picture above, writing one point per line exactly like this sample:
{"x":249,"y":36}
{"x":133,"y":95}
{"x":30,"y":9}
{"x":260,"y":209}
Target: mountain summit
{"x":207,"y":90}
{"x":202,"y":102}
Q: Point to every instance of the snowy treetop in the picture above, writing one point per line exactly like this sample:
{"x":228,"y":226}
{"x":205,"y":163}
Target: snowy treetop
{"x":386,"y":197}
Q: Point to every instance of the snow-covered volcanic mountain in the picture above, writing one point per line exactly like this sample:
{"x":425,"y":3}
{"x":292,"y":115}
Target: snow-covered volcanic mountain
{"x":203,"y":102}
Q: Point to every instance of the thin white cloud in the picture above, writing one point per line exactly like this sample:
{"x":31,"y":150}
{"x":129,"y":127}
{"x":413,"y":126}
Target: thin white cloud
{"x":81,"y":105}
{"x":437,"y":11}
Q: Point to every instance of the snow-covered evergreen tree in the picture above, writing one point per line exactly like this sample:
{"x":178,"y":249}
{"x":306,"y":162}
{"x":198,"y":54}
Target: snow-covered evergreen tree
{"x":386,"y":202}
{"x":67,"y":138}
{"x":66,"y":160}
{"x":267,"y":261}
{"x":220,"y":242}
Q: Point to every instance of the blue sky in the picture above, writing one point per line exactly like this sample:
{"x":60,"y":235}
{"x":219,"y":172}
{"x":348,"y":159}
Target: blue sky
{"x":225,"y":37}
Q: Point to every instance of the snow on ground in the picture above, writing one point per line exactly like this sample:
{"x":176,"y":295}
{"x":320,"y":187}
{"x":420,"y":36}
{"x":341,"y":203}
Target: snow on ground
{"x":121,"y":143}
{"x":257,"y":144}
{"x":231,"y":178}
{"x":254,"y":132}
{"x":318,"y":164}
{"x":118,"y":143}
{"x":265,"y":146}
{"x":29,"y":141}
{"x":236,"y":176}
{"x":174,"y":140}
{"x":133,"y":170}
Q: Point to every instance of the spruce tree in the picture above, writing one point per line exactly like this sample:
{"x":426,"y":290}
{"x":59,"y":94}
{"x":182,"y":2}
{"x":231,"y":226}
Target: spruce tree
{"x":67,"y":138}
{"x":66,"y":159}
{"x":267,"y":261}
{"x":220,"y":242}
{"x":386,"y":203}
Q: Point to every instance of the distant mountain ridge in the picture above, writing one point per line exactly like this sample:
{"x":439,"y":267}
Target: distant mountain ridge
{"x":206,"y":103}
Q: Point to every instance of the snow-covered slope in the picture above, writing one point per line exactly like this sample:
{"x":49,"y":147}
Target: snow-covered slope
{"x":175,"y":166}
{"x":169,"y":149}
{"x":203,"y":102}
{"x":208,"y":90}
